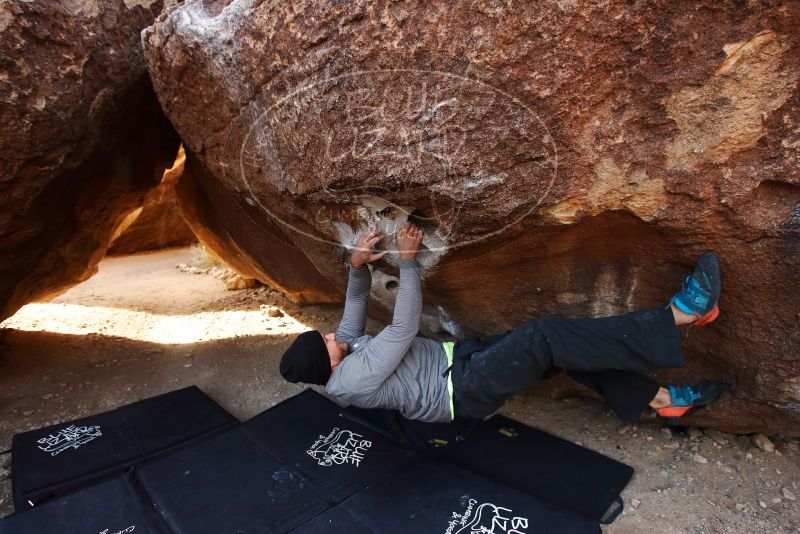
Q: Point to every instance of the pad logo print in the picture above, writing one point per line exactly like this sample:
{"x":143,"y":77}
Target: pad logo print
{"x":71,"y":437}
{"x":486,"y":518}
{"x":339,"y":447}
{"x":131,"y":528}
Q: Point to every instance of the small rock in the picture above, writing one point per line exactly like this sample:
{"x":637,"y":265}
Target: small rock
{"x":635,"y":503}
{"x":762,"y":504}
{"x":624,"y":429}
{"x":776,"y":500}
{"x":749,"y":456}
{"x":26,"y":413}
{"x":695,"y":433}
{"x":274,"y":312}
{"x":741,"y":507}
{"x":47,"y":397}
{"x":238,"y":282}
{"x":788,"y":495}
{"x":717,"y":436}
{"x":667,"y":432}
{"x":187,"y":365}
{"x":4,"y":473}
{"x":672,"y":445}
{"x":699,"y":458}
{"x":762,"y":442}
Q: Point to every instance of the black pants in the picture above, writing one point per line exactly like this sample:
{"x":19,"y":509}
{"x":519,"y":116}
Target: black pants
{"x":601,"y":353}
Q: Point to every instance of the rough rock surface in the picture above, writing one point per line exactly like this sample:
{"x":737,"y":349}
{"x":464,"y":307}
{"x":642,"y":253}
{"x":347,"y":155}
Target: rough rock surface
{"x":83,"y":138}
{"x":565,"y":158}
{"x":158,"y":223}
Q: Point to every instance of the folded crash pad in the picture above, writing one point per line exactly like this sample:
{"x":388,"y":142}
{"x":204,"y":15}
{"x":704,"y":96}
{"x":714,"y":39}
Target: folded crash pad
{"x":60,"y":458}
{"x":335,"y":455}
{"x":543,"y":465}
{"x":228,"y":483}
{"x":111,"y":507}
{"x":275,"y":472}
{"x":508,"y":451}
{"x":440,"y":497}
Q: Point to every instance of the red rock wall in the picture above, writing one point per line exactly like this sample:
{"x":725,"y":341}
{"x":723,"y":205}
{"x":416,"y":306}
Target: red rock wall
{"x":158,"y":223}
{"x":566,"y":158}
{"x":83,"y":138}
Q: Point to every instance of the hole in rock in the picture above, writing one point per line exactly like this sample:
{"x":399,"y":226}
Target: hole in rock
{"x":389,"y":212}
{"x":419,"y":218}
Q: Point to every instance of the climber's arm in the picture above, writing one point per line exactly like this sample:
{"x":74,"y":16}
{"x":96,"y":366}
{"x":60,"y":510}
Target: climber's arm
{"x":354,"y":318}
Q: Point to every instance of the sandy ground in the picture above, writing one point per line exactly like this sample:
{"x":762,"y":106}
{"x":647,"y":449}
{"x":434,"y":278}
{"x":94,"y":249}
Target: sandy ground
{"x":141,"y":327}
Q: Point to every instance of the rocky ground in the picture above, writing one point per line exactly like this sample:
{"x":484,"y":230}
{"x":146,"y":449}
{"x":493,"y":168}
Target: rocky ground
{"x":142,"y":327}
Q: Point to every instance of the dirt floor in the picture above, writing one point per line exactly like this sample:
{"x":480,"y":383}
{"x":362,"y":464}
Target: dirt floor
{"x":141,"y":327}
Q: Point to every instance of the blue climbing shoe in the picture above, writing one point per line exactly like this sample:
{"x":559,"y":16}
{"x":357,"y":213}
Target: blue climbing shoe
{"x":684,"y":398}
{"x":699,"y":295}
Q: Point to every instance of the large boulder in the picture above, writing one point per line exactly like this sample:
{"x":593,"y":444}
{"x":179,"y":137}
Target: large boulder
{"x":565,"y":158}
{"x":83,"y":138}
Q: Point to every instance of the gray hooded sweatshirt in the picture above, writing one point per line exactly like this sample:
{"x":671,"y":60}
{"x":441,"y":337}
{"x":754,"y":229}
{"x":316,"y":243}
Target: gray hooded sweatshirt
{"x":395,"y":369}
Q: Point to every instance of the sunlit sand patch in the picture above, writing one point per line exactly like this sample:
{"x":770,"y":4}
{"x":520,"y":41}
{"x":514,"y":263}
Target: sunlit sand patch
{"x":75,"y":319}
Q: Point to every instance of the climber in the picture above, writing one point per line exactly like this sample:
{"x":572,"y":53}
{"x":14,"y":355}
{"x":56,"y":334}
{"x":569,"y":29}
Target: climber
{"x":432,"y":381}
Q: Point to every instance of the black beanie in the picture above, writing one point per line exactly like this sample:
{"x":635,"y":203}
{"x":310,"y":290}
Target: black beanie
{"x":307,"y":359}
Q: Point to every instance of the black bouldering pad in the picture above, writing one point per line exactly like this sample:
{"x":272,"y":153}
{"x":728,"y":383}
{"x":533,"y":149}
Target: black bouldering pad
{"x":111,"y":507}
{"x":335,"y":455}
{"x":543,"y":465}
{"x":440,"y":497}
{"x":54,"y":460}
{"x":334,"y":520}
{"x":433,"y":438}
{"x":304,"y":465}
{"x":228,"y":483}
